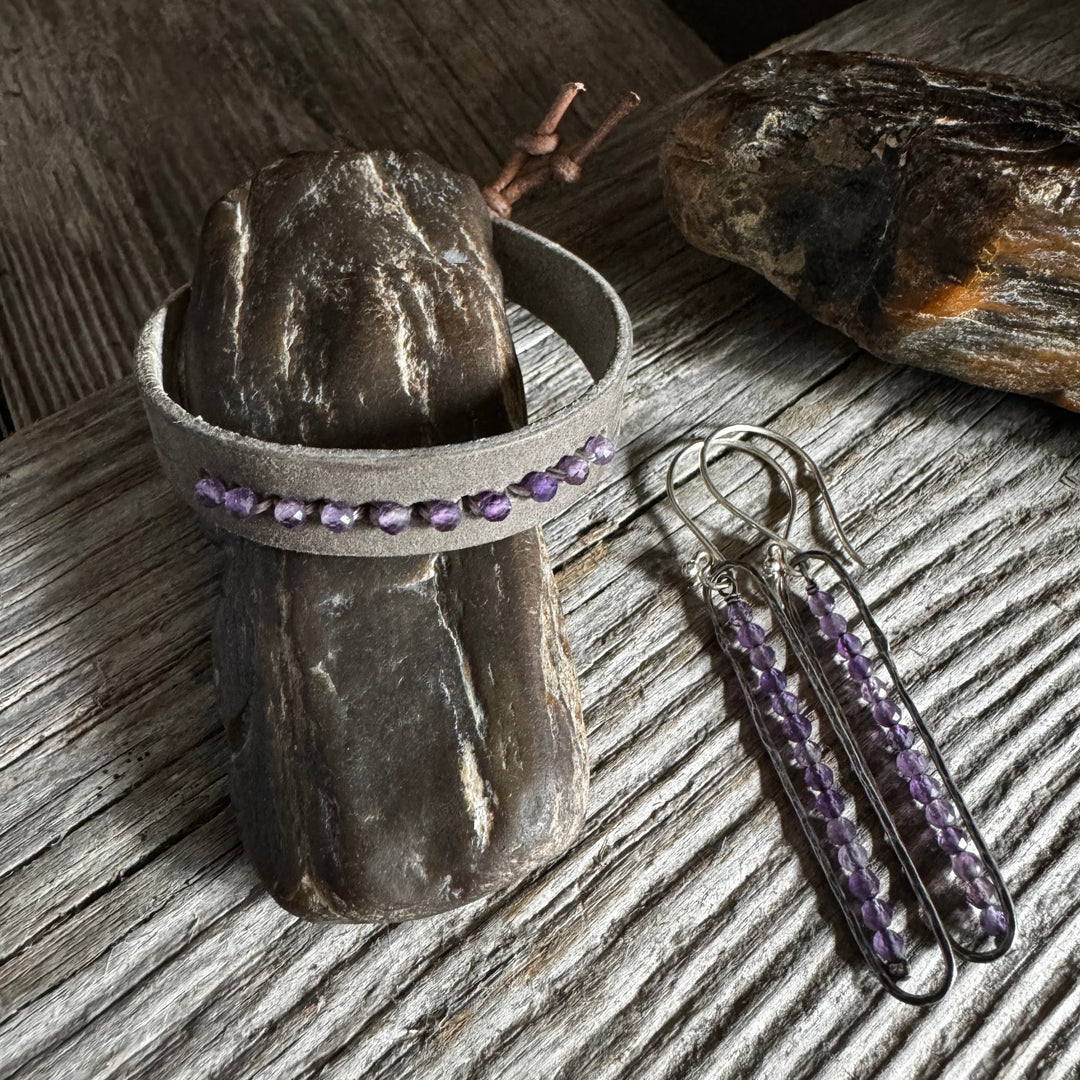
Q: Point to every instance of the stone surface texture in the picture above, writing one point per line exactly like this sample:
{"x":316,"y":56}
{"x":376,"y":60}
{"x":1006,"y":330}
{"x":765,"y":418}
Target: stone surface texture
{"x":932,"y":215}
{"x":406,"y":732}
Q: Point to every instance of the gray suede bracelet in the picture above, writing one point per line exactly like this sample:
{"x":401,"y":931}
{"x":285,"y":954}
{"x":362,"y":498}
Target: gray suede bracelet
{"x":306,"y":498}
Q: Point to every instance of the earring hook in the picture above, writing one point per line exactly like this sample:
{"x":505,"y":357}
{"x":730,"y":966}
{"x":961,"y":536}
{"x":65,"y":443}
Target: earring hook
{"x":687,"y":519}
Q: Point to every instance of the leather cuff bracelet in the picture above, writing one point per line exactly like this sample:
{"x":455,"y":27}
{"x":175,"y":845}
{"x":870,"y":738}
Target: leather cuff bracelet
{"x":416,"y":501}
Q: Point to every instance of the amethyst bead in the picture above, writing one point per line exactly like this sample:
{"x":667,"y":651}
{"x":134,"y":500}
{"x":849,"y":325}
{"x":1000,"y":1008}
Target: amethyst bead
{"x":601,"y":448}
{"x":738,"y":612}
{"x":391,"y":517}
{"x":993,"y":921}
{"x":749,"y":635}
{"x":940,"y":813}
{"x":541,"y":486}
{"x":209,"y":491}
{"x":818,"y":777}
{"x":889,"y":945}
{"x":492,"y":505}
{"x":443,"y":516}
{"x":910,"y":764}
{"x":772,"y":681}
{"x":840,"y":831}
{"x":819,"y":602}
{"x":832,"y":625}
{"x":858,"y":667}
{"x":785,"y":705}
{"x":240,"y":502}
{"x":967,"y":866}
{"x":951,"y":841}
{"x":339,"y":516}
{"x":290,"y":512}
{"x":806,"y":753}
{"x":876,"y":914}
{"x":762,"y":657}
{"x":573,"y":469}
{"x":796,"y":728}
{"x":886,"y":712}
{"x":873,"y":689}
{"x":924,"y":789}
{"x":829,"y":804}
{"x":981,"y":893}
{"x":863,"y":884}
{"x":852,"y":856}
{"x":848,"y":646}
{"x":898,"y":738}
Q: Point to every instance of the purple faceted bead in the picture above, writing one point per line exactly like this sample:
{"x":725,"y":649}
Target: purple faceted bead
{"x":967,"y":866}
{"x":848,"y":646}
{"x":818,"y":777}
{"x":981,"y":893}
{"x":863,"y":884}
{"x":889,"y":945}
{"x":796,"y":728}
{"x":840,"y":831}
{"x":829,"y":804}
{"x":940,"y":813}
{"x":785,"y":704}
{"x":209,"y":491}
{"x":738,"y":612}
{"x":290,"y":512}
{"x":240,"y":502}
{"x":910,"y":764}
{"x":762,"y":657}
{"x":924,"y":789}
{"x":749,"y":634}
{"x":886,"y":712}
{"x":898,"y":738}
{"x":873,"y":689}
{"x":772,"y":681}
{"x":541,"y":486}
{"x":391,"y":517}
{"x":951,"y":841}
{"x":806,"y":753}
{"x":492,"y":505}
{"x":832,"y":625}
{"x":852,"y":857}
{"x":993,"y":921}
{"x":443,"y":516}
{"x":339,"y":516}
{"x":574,"y":469}
{"x":876,"y":914}
{"x":858,"y":667}
{"x":601,"y":448}
{"x":820,"y":602}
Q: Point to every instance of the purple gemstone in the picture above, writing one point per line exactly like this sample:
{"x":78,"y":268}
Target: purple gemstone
{"x":240,"y":502}
{"x":852,"y":856}
{"x":889,"y":945}
{"x":289,"y":512}
{"x":848,"y":646}
{"x":940,"y":813}
{"x":873,"y":689}
{"x":898,"y":738}
{"x":993,"y":921}
{"x":951,"y":841}
{"x":829,"y":804}
{"x":886,"y":712}
{"x":574,"y":469}
{"x":820,"y":602}
{"x":876,"y":914}
{"x":601,"y":448}
{"x":863,"y":884}
{"x":492,"y":505}
{"x":391,"y":517}
{"x":841,"y":831}
{"x":924,"y":789}
{"x":910,"y":764}
{"x":967,"y":866}
{"x":785,"y":705}
{"x":339,"y":516}
{"x":772,"y":681}
{"x":443,"y":515}
{"x":832,"y":625}
{"x":858,"y":667}
{"x":806,"y":753}
{"x":762,"y":657}
{"x":541,"y":486}
{"x":981,"y":893}
{"x":749,"y":634}
{"x":209,"y":491}
{"x":818,"y":777}
{"x":796,"y":728}
{"x":738,"y":612}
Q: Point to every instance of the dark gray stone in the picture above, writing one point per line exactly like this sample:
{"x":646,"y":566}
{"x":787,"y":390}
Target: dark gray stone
{"x":406,"y":732}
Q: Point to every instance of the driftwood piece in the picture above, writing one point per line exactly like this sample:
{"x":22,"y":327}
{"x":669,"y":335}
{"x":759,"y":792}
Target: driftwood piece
{"x":932,"y":215}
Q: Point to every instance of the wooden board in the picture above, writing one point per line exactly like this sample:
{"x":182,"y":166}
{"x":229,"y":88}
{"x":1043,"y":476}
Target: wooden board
{"x":685,"y":934}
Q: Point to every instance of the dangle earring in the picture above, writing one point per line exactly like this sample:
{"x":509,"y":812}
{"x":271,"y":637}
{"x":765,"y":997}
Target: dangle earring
{"x":776,"y":709}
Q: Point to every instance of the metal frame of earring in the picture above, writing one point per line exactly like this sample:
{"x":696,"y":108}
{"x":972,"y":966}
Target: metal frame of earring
{"x":717,"y":576}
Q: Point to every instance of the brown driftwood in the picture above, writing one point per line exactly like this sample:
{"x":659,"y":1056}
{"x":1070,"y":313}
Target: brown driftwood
{"x":932,"y":215}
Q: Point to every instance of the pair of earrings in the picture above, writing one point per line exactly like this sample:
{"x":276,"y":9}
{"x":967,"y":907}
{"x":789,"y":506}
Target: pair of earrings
{"x":858,"y":692}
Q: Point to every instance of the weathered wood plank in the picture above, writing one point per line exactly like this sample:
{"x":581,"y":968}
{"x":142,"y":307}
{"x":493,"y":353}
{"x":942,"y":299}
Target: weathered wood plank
{"x":685,"y":933}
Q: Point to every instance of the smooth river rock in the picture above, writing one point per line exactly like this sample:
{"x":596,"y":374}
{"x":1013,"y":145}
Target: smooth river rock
{"x":406,"y":732}
{"x":932,"y":215}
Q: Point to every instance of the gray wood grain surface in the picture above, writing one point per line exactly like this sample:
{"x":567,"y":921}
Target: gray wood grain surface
{"x":685,"y":934}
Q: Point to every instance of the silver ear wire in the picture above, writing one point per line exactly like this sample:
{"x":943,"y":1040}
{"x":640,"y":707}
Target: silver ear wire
{"x":687,"y":519}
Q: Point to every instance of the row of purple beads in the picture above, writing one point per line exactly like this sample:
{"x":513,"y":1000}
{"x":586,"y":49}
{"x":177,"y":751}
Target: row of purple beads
{"x":393,"y":518}
{"x":926,"y":790}
{"x":852,"y":857}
